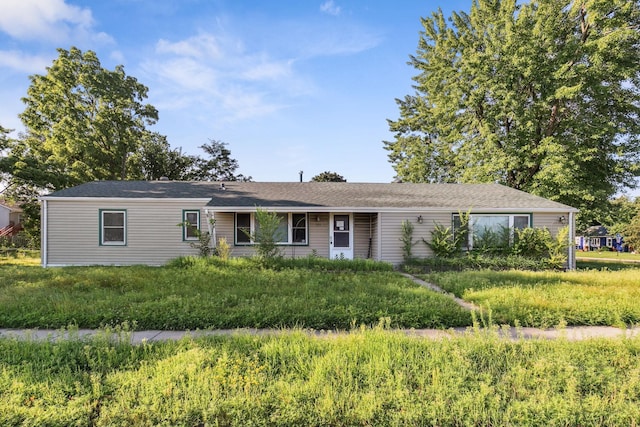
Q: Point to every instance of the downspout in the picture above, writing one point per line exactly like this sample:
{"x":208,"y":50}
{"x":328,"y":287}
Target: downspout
{"x":43,"y":236}
{"x":370,"y":236}
{"x":572,"y":247}
{"x":211,"y":225}
{"x":379,"y":231}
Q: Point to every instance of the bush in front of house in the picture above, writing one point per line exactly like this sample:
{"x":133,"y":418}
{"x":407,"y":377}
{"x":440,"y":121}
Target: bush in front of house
{"x":525,"y":249}
{"x":477,"y":261}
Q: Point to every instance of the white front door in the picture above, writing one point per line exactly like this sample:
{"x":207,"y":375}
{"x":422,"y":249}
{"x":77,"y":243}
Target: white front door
{"x":341,"y":237}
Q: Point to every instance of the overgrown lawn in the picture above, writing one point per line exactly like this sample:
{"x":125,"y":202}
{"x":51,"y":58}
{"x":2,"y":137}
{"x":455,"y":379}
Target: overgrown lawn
{"x":366,"y":377}
{"x":544,"y":299}
{"x":234,"y":294}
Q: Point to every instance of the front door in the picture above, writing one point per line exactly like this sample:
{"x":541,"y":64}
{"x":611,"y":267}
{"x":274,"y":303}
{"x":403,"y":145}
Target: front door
{"x":341,"y":237}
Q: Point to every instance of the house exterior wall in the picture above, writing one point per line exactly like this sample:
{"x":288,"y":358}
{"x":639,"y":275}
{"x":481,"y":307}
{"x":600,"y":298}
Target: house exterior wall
{"x":363,"y":228}
{"x":549,"y":221}
{"x":152,"y":235}
{"x":318,"y":232}
{"x":5,"y":216}
{"x":391,"y":233}
{"x":375,"y":241}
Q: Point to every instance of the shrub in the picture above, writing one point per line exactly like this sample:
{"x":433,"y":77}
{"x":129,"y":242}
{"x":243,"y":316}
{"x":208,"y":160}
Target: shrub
{"x":266,"y":236}
{"x":223,"y":249}
{"x":477,"y":261}
{"x":532,"y":242}
{"x":443,"y":243}
{"x":203,"y":244}
{"x":489,"y":241}
{"x":407,"y":240}
{"x":558,"y":249}
{"x":447,"y":242}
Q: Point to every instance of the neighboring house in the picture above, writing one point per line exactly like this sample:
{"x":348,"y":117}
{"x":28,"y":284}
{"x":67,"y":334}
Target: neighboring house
{"x":136,"y":222}
{"x":10,"y":218}
{"x":597,"y":238}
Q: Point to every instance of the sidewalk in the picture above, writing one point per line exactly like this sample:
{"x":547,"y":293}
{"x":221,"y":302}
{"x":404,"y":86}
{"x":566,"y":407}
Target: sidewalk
{"x":575,"y":333}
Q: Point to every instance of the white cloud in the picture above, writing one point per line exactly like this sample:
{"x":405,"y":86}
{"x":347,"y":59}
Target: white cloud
{"x":330,"y":8}
{"x":203,"y":46}
{"x":216,"y":72}
{"x":117,"y":56}
{"x":51,"y":21}
{"x":22,"y":62}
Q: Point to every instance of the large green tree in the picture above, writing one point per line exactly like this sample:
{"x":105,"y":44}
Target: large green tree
{"x":155,"y":159}
{"x":217,"y":165}
{"x":82,"y":121}
{"x":327,"y":176}
{"x":542,"y":96}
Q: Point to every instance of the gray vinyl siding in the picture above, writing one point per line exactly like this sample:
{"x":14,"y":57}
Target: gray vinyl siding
{"x":391,"y":233}
{"x":363,"y":227}
{"x":152,"y":234}
{"x":375,"y":253}
{"x":549,"y":221}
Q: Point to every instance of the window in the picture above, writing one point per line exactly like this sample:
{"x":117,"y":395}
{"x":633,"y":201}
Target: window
{"x":243,"y":228}
{"x":291,"y":231}
{"x":191,"y":225}
{"x":113,"y":227}
{"x":299,"y":228}
{"x":492,"y":230}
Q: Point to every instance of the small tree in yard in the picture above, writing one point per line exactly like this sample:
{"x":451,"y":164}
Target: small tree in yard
{"x":267,"y":234}
{"x":203,"y":245}
{"x":407,"y":240}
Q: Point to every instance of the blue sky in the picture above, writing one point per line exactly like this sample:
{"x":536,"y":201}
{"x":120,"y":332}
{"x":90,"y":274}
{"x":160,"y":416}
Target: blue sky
{"x":289,"y":85}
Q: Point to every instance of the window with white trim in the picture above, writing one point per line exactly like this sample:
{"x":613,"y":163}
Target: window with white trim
{"x":113,"y":227}
{"x":498,"y":227}
{"x":190,"y":224}
{"x":293,"y":228}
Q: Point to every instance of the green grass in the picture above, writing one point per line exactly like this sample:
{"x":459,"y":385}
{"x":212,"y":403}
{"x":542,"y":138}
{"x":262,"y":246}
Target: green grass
{"x":543,"y":299}
{"x":19,"y":257}
{"x":605,"y":264}
{"x":366,"y":377}
{"x":621,"y":256}
{"x":234,"y":294}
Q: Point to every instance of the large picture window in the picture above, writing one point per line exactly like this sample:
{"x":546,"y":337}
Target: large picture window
{"x":191,"y":225}
{"x":113,"y":227}
{"x":292,"y":230}
{"x":491,"y":229}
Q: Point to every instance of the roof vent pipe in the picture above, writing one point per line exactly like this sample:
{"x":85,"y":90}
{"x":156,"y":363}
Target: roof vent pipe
{"x":301,"y":172}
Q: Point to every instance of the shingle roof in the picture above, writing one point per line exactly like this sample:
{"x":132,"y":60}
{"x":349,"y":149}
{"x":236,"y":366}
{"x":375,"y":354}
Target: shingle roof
{"x":322,"y":194}
{"x":13,"y":207}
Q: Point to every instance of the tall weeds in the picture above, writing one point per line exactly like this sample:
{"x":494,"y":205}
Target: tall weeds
{"x":366,"y":377}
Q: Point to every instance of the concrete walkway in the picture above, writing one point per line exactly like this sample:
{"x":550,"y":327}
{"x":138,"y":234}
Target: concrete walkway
{"x":462,"y":303}
{"x":576,"y":333}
